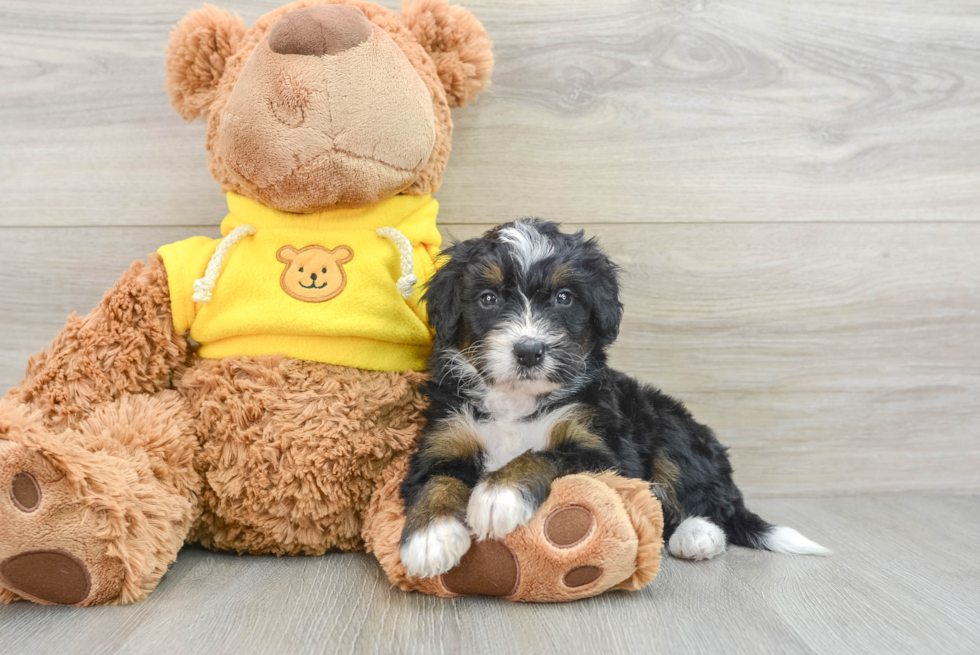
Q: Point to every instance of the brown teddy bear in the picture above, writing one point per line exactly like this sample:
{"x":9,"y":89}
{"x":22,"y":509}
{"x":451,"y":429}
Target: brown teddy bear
{"x":259,"y":392}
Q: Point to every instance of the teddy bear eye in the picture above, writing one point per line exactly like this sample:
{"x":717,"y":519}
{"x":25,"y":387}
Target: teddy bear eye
{"x":300,"y":269}
{"x":324,"y":270}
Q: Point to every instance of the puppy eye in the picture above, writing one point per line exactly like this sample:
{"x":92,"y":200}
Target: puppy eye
{"x":563,"y":297}
{"x":300,"y":269}
{"x":488,"y":300}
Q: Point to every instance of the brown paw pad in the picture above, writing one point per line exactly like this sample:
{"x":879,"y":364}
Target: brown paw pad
{"x":489,"y":568}
{"x":25,"y":492}
{"x":53,"y":576}
{"x":581,"y":576}
{"x":568,"y":526}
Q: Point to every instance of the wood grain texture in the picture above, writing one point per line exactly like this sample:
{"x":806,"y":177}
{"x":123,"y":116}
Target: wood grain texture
{"x":619,"y":111}
{"x":903,"y":580}
{"x":830,"y":358}
{"x":792,"y":189}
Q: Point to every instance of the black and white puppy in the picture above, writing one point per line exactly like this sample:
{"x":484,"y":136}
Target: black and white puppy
{"x":521,"y":395}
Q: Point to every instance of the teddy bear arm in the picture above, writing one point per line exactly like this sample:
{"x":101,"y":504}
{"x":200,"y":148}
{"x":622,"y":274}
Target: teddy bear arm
{"x":127,"y":344}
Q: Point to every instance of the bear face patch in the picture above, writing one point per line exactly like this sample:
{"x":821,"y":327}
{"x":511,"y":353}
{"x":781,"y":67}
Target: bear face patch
{"x":314,"y":273}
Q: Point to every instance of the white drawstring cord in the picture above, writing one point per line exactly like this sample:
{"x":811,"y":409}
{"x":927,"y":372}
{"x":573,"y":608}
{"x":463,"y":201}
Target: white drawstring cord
{"x":408,"y":279}
{"x":204,"y":286}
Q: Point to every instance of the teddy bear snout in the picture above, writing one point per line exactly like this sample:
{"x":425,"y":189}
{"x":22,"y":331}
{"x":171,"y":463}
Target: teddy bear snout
{"x":319,"y":30}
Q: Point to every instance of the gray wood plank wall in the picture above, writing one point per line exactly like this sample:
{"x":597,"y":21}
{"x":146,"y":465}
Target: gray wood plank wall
{"x":792,"y":188}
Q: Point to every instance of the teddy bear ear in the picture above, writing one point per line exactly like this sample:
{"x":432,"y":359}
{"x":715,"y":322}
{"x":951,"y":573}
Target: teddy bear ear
{"x":286,"y":254}
{"x":342,"y":254}
{"x":458,"y":44}
{"x":200,"y":45}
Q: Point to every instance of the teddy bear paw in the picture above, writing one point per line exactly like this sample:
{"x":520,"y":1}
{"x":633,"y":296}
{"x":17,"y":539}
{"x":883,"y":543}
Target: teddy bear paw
{"x":594,"y":532}
{"x":580,"y":543}
{"x":493,"y":567}
{"x":47,"y":547}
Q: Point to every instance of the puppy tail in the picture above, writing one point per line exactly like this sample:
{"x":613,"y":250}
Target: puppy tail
{"x":746,"y":529}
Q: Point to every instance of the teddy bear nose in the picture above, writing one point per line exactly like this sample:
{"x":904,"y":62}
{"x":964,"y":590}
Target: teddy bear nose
{"x":319,"y":30}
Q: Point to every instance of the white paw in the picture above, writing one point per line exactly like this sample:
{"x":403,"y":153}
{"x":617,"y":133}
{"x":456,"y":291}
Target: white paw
{"x":495,"y":511}
{"x":696,"y":538}
{"x":436,"y":549}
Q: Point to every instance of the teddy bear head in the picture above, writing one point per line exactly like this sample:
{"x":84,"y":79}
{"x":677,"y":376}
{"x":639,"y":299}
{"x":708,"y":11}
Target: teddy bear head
{"x":328,"y":104}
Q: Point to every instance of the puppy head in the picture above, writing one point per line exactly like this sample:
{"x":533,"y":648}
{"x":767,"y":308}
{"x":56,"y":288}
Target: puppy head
{"x":526,"y":307}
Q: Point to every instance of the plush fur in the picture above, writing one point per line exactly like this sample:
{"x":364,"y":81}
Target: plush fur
{"x":119,"y":493}
{"x":135,"y":444}
{"x":457,"y":43}
{"x":521,"y":395}
{"x":210,"y":51}
{"x":293,"y":450}
{"x":200,"y":46}
{"x":126,"y":344}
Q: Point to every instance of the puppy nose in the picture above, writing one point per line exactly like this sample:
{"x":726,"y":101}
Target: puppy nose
{"x":529,"y":353}
{"x":319,"y":30}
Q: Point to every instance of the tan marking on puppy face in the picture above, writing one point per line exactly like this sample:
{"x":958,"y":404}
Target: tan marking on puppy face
{"x":560,"y":276}
{"x":455,"y":438}
{"x":493,"y":275}
{"x":314,"y":273}
{"x":441,"y":496}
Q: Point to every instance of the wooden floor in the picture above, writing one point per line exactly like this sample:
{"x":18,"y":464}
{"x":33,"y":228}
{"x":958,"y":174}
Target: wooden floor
{"x":904,"y":578}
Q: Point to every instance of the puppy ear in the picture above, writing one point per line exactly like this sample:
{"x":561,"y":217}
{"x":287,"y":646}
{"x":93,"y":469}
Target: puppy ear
{"x":444,"y":297}
{"x":457,"y":43}
{"x":200,"y":44}
{"x":607,"y":310}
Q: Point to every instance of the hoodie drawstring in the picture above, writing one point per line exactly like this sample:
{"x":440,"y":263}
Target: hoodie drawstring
{"x":204,"y":286}
{"x":408,"y":278}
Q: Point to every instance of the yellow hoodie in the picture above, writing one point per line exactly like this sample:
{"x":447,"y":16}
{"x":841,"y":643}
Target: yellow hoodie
{"x":326,"y":287}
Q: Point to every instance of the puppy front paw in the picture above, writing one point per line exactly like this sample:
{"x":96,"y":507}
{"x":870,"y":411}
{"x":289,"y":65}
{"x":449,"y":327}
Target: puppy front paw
{"x":435,"y":549}
{"x":496,"y":510}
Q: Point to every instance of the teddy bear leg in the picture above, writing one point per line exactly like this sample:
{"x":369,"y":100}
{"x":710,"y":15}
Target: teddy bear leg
{"x":95,"y":515}
{"x":126,"y":345}
{"x":593,"y":533}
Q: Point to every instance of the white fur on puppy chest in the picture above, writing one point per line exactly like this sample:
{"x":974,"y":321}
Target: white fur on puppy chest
{"x":506,"y":435}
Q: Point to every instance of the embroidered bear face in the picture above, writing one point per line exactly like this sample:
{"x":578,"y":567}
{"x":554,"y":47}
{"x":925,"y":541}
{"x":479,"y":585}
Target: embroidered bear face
{"x":314,"y":273}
